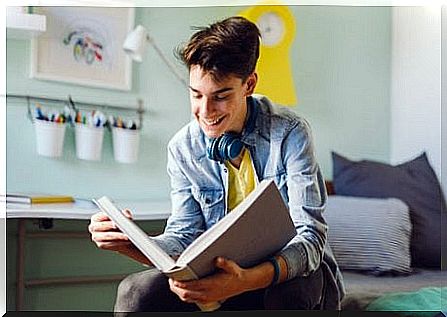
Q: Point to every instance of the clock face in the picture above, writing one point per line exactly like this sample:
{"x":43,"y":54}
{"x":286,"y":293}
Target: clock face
{"x":272,"y":28}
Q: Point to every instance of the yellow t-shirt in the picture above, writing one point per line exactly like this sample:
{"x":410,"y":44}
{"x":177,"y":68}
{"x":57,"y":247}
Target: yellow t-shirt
{"x":241,"y":181}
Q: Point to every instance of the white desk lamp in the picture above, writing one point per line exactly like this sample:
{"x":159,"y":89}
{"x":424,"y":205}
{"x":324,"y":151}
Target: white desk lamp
{"x":135,"y":46}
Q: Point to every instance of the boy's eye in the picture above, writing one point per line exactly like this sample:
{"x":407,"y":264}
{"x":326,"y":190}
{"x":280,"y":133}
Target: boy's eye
{"x":217,"y":97}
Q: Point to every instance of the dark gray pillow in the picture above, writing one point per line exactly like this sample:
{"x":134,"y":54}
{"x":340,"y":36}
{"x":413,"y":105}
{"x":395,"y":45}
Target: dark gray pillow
{"x":371,"y":235}
{"x":415,"y":183}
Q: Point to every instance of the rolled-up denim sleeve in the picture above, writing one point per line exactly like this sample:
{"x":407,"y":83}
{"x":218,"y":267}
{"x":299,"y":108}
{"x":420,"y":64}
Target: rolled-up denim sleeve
{"x":186,"y":221}
{"x":307,"y":201}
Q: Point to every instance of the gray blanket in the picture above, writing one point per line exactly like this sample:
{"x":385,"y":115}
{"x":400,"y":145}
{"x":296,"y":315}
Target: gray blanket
{"x":361,"y":289}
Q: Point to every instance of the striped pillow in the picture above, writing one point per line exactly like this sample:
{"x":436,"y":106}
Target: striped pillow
{"x":369,"y":234}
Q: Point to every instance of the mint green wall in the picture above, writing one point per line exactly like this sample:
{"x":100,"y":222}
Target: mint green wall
{"x":165,"y":99}
{"x":341,"y":69}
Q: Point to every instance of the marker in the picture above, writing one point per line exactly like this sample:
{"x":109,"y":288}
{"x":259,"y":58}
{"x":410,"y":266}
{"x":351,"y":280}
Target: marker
{"x":119,"y":122}
{"x":39,"y":113}
{"x":89,"y":120}
{"x":67,"y":114}
{"x":78,"y":117}
{"x":102,"y":118}
{"x":99,"y":119}
{"x":129,"y":124}
{"x":112,"y":121}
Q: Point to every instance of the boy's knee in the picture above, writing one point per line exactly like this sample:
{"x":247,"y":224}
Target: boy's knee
{"x":301,"y":293}
{"x":138,"y":290}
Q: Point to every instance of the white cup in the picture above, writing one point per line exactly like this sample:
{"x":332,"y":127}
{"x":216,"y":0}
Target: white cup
{"x":88,"y":142}
{"x":49,"y":138}
{"x":125,"y":145}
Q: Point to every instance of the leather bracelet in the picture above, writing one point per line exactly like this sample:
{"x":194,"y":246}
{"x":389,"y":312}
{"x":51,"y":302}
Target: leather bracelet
{"x":276,"y":271}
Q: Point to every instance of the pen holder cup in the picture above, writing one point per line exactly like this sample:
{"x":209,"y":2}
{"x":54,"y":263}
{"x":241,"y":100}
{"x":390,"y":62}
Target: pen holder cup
{"x":49,"y":138}
{"x":88,"y":142}
{"x":125,"y":144}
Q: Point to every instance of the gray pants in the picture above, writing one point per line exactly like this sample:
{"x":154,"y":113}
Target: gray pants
{"x":149,"y":291}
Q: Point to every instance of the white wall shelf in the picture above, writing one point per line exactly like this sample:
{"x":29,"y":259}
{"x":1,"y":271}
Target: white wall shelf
{"x":24,"y":25}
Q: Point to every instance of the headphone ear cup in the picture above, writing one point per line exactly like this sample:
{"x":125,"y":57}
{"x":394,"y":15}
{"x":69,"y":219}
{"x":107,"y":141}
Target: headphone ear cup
{"x":212,"y":149}
{"x":226,"y":147}
{"x":233,"y":148}
{"x":230,"y":146}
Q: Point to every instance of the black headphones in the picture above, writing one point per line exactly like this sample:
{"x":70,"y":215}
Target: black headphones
{"x":229,"y":145}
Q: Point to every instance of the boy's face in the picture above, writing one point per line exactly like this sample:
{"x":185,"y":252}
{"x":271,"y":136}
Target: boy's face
{"x":219,"y":107}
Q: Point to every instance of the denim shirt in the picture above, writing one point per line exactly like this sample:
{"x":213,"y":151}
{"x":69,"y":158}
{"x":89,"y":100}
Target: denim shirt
{"x":282,"y":149}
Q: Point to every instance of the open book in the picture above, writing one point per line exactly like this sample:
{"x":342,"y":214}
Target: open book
{"x":256,"y":229}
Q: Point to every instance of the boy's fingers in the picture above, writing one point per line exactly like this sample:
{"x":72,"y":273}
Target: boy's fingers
{"x":99,"y":216}
{"x":109,"y":236}
{"x":102,"y":226}
{"x":127,"y":213}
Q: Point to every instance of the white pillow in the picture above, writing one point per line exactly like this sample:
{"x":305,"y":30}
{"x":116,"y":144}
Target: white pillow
{"x":369,"y":234}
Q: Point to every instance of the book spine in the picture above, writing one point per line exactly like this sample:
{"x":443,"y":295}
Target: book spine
{"x":184,"y":274}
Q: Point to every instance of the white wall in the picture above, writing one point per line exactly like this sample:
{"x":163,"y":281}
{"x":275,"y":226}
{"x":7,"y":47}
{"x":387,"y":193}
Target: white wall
{"x":415,"y":84}
{"x":444,"y":100}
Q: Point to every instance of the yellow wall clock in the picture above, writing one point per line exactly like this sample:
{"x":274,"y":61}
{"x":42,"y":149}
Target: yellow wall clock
{"x":277,"y":26}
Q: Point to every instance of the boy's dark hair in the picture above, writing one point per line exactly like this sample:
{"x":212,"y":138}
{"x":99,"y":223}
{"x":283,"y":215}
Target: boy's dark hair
{"x":227,"y":47}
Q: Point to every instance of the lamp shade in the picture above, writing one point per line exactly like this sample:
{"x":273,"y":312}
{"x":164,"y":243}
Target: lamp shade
{"x":136,"y":42}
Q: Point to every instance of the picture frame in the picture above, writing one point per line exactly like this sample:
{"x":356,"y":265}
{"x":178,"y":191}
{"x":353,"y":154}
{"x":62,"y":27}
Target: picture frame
{"x":83,"y":46}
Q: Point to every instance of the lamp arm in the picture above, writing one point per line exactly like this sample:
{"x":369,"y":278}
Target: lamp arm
{"x":167,"y":62}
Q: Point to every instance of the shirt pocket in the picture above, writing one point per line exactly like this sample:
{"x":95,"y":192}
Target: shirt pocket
{"x":212,"y":204}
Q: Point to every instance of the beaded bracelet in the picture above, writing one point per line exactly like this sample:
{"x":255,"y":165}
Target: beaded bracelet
{"x":276,"y":271}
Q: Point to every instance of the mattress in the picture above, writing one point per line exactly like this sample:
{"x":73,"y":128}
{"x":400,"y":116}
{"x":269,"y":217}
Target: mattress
{"x":362,"y":289}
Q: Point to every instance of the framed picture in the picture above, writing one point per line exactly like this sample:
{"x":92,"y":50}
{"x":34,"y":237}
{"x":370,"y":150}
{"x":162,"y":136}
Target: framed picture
{"x":83,"y":46}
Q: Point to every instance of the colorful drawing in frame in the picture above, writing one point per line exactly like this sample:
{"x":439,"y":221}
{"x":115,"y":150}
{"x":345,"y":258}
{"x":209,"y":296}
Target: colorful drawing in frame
{"x":83,"y":46}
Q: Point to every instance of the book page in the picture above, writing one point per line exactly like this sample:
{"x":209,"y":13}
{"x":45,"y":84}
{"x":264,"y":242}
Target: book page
{"x":149,"y":248}
{"x":257,"y":228}
{"x":159,"y":258}
{"x":197,"y":247}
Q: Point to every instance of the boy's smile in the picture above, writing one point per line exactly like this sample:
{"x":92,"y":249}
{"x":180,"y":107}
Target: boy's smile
{"x":219,"y":106}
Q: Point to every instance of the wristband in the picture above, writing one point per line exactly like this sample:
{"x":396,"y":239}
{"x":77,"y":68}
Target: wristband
{"x":276,"y":271}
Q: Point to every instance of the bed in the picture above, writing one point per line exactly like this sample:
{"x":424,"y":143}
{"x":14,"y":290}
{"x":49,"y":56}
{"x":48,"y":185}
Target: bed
{"x":420,"y":291}
{"x":385,"y":238}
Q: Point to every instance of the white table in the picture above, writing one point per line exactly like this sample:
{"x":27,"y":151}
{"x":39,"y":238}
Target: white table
{"x":84,"y":209}
{"x":79,"y":210}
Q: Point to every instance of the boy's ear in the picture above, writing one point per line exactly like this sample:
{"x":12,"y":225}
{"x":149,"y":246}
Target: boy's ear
{"x":251,"y":82}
